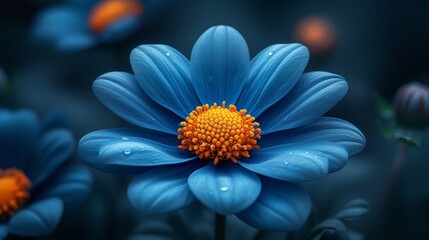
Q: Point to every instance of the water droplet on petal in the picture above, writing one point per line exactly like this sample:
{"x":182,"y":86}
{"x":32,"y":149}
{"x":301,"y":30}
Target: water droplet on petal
{"x":125,"y":138}
{"x":286,"y":162}
{"x":306,"y":152}
{"x":270,"y":53}
{"x":224,"y":189}
{"x":168,"y":54}
{"x":290,"y":153}
{"x":127,"y":151}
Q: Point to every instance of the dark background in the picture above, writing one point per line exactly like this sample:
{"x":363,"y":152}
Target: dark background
{"x":379,"y":46}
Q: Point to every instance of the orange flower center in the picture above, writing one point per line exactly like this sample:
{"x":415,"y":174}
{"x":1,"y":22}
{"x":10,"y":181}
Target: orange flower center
{"x":109,"y":12}
{"x":219,"y":133}
{"x":14,"y":186}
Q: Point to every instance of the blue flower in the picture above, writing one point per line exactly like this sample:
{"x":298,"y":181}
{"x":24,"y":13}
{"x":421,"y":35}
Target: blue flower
{"x":254,"y":175}
{"x":82,"y":24}
{"x":35,"y":189}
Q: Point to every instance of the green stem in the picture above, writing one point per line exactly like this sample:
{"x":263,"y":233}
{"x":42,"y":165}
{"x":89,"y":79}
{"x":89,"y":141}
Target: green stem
{"x":220,"y":227}
{"x":398,"y":162}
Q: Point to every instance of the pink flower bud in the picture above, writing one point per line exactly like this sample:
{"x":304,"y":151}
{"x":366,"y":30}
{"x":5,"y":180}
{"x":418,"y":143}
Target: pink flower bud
{"x":412,"y":105}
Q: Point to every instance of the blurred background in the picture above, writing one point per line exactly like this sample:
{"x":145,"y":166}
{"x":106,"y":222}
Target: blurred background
{"x":377,"y":46}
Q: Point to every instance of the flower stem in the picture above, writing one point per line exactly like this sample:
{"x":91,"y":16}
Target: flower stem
{"x":398,"y":162}
{"x":220,"y":227}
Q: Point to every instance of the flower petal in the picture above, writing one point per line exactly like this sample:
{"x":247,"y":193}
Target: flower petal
{"x":75,"y":41}
{"x":130,"y":151}
{"x":65,"y":27}
{"x":220,"y":65}
{"x":296,"y":162}
{"x":281,"y":206}
{"x":56,"y":22}
{"x":225,"y":188}
{"x":40,"y":218}
{"x":273,"y":73}
{"x":142,"y":153}
{"x":18,"y":133}
{"x":72,"y":185}
{"x":353,"y":209}
{"x":163,"y":189}
{"x":121,"y":29}
{"x":311,"y":97}
{"x":52,"y":149}
{"x":324,"y":129}
{"x":121,"y":93}
{"x":163,"y":73}
{"x":57,"y":118}
{"x":3,"y":231}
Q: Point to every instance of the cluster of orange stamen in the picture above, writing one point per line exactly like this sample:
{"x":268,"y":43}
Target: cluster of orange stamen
{"x":108,"y":12}
{"x":14,"y":187}
{"x":219,"y":133}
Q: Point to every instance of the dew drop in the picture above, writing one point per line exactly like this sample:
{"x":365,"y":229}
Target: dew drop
{"x":290,"y":153}
{"x":286,"y":162}
{"x":224,"y":189}
{"x":306,"y":152}
{"x":125,"y":138}
{"x":168,"y":54}
{"x":127,"y":151}
{"x":270,"y":53}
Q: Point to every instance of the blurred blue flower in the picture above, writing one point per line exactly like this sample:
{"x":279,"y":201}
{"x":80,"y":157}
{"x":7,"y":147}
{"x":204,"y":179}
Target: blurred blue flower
{"x":296,"y":144}
{"x":335,"y":227}
{"x":82,"y":24}
{"x":35,"y":189}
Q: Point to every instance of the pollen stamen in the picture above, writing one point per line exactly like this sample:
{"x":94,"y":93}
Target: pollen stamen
{"x":219,"y":133}
{"x":14,"y":191}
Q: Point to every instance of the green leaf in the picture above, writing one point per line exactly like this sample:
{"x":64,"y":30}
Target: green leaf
{"x":384,"y":108}
{"x":387,"y":130}
{"x":386,"y":117}
{"x":410,"y":137}
{"x":390,"y":129}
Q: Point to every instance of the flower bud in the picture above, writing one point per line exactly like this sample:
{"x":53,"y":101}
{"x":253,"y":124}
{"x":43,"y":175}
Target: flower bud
{"x":412,"y":105}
